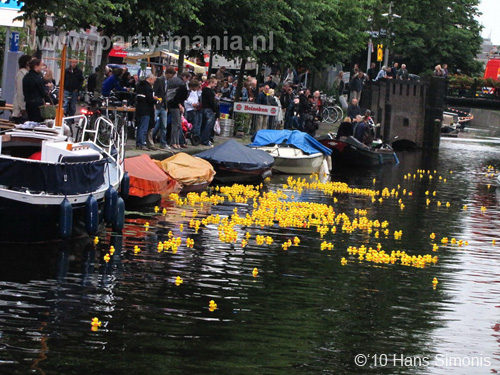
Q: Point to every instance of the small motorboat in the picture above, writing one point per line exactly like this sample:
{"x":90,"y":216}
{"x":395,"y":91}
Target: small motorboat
{"x":194,"y":174}
{"x":236,"y":163}
{"x":348,"y":151}
{"x":294,"y":152}
{"x":148,"y":182}
{"x":53,"y":188}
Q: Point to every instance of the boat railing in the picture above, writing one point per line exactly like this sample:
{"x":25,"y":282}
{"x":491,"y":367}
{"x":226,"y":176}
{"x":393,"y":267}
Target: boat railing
{"x":81,"y":119}
{"x":105,"y":134}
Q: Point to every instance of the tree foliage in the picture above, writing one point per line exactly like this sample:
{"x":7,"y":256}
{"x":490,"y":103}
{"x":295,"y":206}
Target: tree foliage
{"x":433,"y":32}
{"x":309,"y":33}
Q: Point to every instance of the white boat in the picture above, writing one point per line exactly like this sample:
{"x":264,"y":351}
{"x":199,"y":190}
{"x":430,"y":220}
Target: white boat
{"x":291,"y":160}
{"x":52,"y":187}
{"x":294,"y":152}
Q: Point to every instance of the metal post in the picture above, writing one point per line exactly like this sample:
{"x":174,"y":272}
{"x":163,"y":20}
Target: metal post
{"x":369,"y":55}
{"x":386,"y":56}
{"x":5,"y":56}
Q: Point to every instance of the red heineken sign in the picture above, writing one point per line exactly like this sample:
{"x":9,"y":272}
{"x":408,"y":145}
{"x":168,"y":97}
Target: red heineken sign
{"x":255,"y":109}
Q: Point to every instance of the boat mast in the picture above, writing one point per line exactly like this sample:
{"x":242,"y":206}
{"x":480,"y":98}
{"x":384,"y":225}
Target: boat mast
{"x":60,"y":105}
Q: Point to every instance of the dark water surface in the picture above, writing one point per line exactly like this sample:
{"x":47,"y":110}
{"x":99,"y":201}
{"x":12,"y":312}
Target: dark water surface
{"x":304,"y":313}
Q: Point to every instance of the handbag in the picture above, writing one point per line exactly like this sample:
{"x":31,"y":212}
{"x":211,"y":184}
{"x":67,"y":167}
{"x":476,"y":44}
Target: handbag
{"x":217,"y":127}
{"x":48,"y":111}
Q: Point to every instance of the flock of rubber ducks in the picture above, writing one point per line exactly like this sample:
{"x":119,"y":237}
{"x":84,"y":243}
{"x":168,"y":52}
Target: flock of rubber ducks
{"x":281,"y":209}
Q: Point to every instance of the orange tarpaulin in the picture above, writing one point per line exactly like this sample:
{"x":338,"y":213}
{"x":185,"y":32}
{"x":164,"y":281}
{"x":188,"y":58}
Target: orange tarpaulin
{"x":146,"y":178}
{"x":187,"y":169}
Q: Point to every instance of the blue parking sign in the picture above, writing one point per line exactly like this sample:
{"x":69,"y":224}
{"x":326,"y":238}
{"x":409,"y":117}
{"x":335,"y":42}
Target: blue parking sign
{"x":14,"y":41}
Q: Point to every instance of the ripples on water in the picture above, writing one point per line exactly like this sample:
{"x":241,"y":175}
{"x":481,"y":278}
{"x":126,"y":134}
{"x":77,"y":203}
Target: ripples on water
{"x":304,"y":313}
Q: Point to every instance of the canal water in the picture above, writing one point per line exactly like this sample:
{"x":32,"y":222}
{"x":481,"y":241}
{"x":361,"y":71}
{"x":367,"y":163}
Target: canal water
{"x":312,"y":307}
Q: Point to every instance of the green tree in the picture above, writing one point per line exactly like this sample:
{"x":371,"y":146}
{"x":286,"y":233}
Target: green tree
{"x":433,"y":32}
{"x":124,"y":18}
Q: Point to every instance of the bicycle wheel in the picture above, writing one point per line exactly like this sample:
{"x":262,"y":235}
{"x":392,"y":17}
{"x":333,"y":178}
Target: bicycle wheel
{"x":340,"y":112}
{"x":325,"y":114}
{"x":121,"y":123}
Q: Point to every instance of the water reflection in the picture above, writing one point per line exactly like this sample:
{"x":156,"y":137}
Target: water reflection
{"x":304,"y":313}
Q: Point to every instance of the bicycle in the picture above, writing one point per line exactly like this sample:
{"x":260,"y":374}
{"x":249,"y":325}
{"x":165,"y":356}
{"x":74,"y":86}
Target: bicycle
{"x":331,"y":112}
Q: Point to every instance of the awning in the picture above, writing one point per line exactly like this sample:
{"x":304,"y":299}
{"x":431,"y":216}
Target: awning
{"x":164,"y":53}
{"x":118,"y":52}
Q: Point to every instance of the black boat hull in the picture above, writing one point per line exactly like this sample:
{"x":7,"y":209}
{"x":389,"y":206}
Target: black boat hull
{"x":28,"y":223}
{"x":226,"y":176}
{"x":345,"y":154}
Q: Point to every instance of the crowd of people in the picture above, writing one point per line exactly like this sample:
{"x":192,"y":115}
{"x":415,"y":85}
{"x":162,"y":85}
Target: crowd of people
{"x":167,"y":100}
{"x":34,"y":83}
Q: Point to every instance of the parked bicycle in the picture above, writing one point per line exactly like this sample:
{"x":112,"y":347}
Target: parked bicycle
{"x":331,"y":112}
{"x":103,"y":107}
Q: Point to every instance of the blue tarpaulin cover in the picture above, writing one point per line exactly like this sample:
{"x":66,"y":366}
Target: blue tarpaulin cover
{"x":233,"y":155}
{"x":295,"y":138}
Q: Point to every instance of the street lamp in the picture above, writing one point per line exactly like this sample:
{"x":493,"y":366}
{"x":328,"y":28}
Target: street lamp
{"x":390,"y":18}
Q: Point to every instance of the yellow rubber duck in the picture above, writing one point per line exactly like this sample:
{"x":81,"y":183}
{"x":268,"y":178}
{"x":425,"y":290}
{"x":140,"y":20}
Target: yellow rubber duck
{"x":112,"y":250}
{"x":95,"y":324}
{"x":146,"y":226}
{"x":343,"y":261}
{"x":164,"y":211}
{"x":96,"y":240}
{"x":157,"y":209}
{"x":212,"y":306}
{"x":178,"y":281}
{"x":434,"y":282}
{"x":107,"y":258}
{"x":160,"y":247}
{"x":255,"y":272}
{"x":136,"y":249}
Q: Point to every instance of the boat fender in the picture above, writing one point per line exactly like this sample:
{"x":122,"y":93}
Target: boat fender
{"x":110,"y":199}
{"x":65,"y":219}
{"x":91,"y":215}
{"x":119,"y":220}
{"x":125,"y":186}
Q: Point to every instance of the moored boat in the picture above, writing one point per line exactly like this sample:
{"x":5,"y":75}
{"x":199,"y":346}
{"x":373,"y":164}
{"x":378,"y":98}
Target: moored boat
{"x":236,"y":163}
{"x":294,"y":152}
{"x":348,"y":151}
{"x":194,"y":174}
{"x":148,"y":182}
{"x":53,"y":188}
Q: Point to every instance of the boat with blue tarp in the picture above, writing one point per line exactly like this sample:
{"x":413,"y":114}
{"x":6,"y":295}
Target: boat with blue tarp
{"x":294,"y":152}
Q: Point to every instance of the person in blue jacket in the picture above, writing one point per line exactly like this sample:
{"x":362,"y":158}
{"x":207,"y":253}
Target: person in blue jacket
{"x":112,"y":83}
